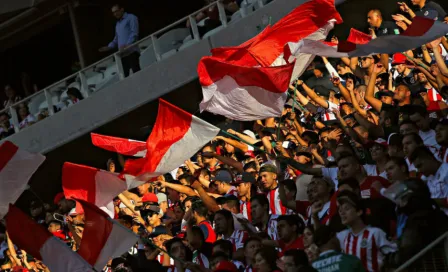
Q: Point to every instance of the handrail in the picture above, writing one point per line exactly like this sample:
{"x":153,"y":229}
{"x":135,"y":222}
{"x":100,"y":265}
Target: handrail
{"x":422,"y":252}
{"x":110,"y":56}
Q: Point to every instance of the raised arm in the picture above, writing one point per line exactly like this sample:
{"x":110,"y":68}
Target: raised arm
{"x":288,"y":203}
{"x":301,"y":167}
{"x":355,"y":104}
{"x":235,"y":143}
{"x":319,"y":100}
{"x":209,"y":201}
{"x":370,"y":97}
{"x":439,"y":59}
{"x":226,"y":160}
{"x":178,"y":187}
{"x":345,"y":93}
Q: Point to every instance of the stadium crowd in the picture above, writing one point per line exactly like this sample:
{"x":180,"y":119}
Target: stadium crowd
{"x":352,"y":177}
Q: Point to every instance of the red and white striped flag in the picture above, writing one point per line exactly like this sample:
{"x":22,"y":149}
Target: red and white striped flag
{"x":93,"y":185}
{"x":421,"y":31}
{"x":358,"y":37}
{"x":249,"y":82}
{"x":177,"y":135}
{"x":16,"y":168}
{"x":102,"y":238}
{"x":122,"y":146}
{"x":41,"y":244}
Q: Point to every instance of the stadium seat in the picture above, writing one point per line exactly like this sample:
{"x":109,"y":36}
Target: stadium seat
{"x":147,"y":57}
{"x":172,"y":40}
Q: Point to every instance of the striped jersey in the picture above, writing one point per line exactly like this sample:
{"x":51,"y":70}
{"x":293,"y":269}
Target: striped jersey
{"x":271,"y":228}
{"x":369,"y":245}
{"x":200,"y":259}
{"x":275,"y":204}
{"x":161,"y":258}
{"x":327,"y":114}
{"x":245,"y":209}
{"x":174,"y":269}
{"x":232,"y":191}
{"x":238,"y":238}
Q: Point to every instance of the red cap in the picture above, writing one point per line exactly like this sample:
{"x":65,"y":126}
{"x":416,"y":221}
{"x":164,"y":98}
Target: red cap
{"x":249,"y":154}
{"x":150,"y":197}
{"x":226,"y":266}
{"x":58,"y":198}
{"x":399,"y":58}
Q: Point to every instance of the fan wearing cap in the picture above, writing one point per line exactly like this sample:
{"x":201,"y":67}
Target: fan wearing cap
{"x":378,"y":150}
{"x":244,"y":184}
{"x":321,"y":96}
{"x":223,"y":180}
{"x":331,"y":258}
{"x":268,"y":175}
{"x":371,"y":241}
{"x":150,"y":212}
{"x":406,"y":75}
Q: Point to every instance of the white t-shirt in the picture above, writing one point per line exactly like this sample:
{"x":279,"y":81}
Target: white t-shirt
{"x":327,"y":114}
{"x":372,"y":170}
{"x":29,"y":119}
{"x":438,"y":183}
{"x":429,"y":139}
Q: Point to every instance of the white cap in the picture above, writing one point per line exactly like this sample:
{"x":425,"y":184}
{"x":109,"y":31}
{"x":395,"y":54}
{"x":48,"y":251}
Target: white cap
{"x":161,"y":197}
{"x":250,"y":134}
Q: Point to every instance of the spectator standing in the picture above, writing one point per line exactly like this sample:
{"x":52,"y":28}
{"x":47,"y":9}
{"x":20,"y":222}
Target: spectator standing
{"x":11,"y":97}
{"x":25,"y":117}
{"x":425,"y":8}
{"x":380,"y":27}
{"x":6,"y":129}
{"x":126,"y":33}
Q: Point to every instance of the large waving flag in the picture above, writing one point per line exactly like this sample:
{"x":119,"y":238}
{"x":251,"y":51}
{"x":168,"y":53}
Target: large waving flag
{"x":249,"y":82}
{"x":41,"y":244}
{"x":177,"y":135}
{"x":102,"y":238}
{"x":421,"y":31}
{"x":122,"y":146}
{"x":16,"y":168}
{"x":93,"y":185}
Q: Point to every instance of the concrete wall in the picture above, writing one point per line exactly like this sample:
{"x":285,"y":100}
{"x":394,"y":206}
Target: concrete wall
{"x":141,"y":88}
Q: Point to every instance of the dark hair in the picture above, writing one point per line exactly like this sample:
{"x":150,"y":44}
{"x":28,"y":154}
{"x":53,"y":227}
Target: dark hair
{"x":250,"y":239}
{"x":227,"y":214}
{"x":262,"y":200}
{"x":212,"y":147}
{"x":351,"y":182}
{"x":233,"y":203}
{"x":390,"y":113}
{"x":415,"y":137}
{"x":408,"y":122}
{"x":75,"y":92}
{"x":421,"y":152}
{"x":168,"y":177}
{"x":219,"y":255}
{"x":341,"y":63}
{"x":226,"y":245}
{"x":290,"y":185}
{"x":192,"y":199}
{"x":401,"y":162}
{"x":346,"y":155}
{"x":420,"y":110}
{"x":198,"y":231}
{"x":200,"y":208}
{"x":293,"y":220}
{"x":269,"y":254}
{"x":299,"y":256}
{"x":168,"y":244}
{"x":189,"y":178}
{"x":396,"y":139}
{"x":250,"y":165}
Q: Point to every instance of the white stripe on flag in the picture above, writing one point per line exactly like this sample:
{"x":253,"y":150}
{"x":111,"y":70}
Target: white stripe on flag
{"x":107,"y":185}
{"x":120,"y":240}
{"x":248,"y":102}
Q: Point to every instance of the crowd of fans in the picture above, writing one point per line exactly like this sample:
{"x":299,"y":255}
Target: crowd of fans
{"x":352,"y":177}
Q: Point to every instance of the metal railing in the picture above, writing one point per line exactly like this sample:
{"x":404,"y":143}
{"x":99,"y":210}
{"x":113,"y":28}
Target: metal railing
{"x":81,"y":77}
{"x":429,"y":260}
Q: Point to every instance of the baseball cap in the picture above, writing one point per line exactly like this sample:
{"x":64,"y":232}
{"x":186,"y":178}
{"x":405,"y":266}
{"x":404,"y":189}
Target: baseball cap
{"x":161,"y":197}
{"x":250,"y":134}
{"x":223,"y":176}
{"x":226,"y":266}
{"x":150,"y":197}
{"x":268,"y":168}
{"x":223,"y":199}
{"x":249,"y":154}
{"x":159,"y":230}
{"x":384,"y":93}
{"x":244,"y":177}
{"x":399,"y":58}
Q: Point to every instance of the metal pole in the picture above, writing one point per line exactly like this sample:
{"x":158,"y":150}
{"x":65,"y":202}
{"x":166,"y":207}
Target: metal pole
{"x":71,"y":12}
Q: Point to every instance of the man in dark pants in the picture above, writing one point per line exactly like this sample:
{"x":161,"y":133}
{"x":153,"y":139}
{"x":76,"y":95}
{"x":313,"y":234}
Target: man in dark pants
{"x":126,"y":33}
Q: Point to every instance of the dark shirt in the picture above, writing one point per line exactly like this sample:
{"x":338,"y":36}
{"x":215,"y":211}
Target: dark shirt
{"x":387,"y":28}
{"x":410,"y":81}
{"x":431,"y":10}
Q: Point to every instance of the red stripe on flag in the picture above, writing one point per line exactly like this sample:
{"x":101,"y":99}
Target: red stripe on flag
{"x":419,"y":27}
{"x":78,"y":181}
{"x":119,"y":145}
{"x":363,"y":258}
{"x":7,"y":151}
{"x":97,"y":229}
{"x":358,"y":37}
{"x":346,"y":46}
{"x":375,"y":266}
{"x":25,"y":232}
{"x":171,"y":125}
{"x":273,"y":79}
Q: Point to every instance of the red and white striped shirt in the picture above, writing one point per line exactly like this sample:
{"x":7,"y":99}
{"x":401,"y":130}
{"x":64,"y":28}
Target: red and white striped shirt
{"x":161,"y":258}
{"x":275,"y":204}
{"x":238,"y":238}
{"x":369,"y":245}
{"x":271,"y":228}
{"x":200,"y":259}
{"x":174,"y":269}
{"x":245,"y":210}
{"x":327,"y":114}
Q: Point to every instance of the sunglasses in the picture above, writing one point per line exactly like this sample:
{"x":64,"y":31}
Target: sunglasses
{"x":365,"y":58}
